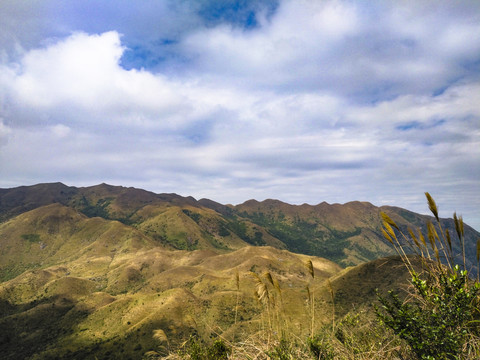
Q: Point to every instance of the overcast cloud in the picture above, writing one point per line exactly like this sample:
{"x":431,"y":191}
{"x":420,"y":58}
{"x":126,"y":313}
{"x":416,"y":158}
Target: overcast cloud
{"x":302,"y":101}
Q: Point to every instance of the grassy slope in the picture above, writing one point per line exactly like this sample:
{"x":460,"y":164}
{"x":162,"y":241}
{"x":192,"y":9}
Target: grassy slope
{"x":82,"y":310}
{"x":115,"y":308}
{"x":55,"y":233}
{"x":348,"y":234}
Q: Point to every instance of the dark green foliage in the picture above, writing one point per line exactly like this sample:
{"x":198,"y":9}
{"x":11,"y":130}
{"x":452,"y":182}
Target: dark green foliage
{"x":409,"y":216}
{"x":321,"y":348}
{"x":440,"y":319}
{"x":222,"y":229}
{"x":193,"y":215}
{"x":218,"y":350}
{"x":283,"y":351}
{"x":92,"y":210}
{"x":12,"y":270}
{"x":440,"y":323}
{"x":342,"y":235}
{"x":31,"y":237}
{"x":258,"y":239}
{"x":240,"y":229}
{"x":303,"y":236}
{"x":45,"y":324}
{"x":197,"y":350}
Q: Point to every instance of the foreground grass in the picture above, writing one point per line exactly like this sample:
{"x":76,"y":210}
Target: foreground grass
{"x":439,"y":318}
{"x":356,"y":336}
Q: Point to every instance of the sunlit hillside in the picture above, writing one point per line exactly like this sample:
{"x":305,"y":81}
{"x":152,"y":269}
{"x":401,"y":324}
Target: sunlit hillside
{"x":112,"y":272}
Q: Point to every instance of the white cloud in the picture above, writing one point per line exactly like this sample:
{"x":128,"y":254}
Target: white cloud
{"x":78,"y":70}
{"x":323,"y":101}
{"x":61,"y":130}
{"x":368,"y":54}
{"x":83,"y":70}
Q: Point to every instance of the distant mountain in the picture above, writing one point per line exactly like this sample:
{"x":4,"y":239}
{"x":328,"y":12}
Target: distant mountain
{"x":347,"y":234}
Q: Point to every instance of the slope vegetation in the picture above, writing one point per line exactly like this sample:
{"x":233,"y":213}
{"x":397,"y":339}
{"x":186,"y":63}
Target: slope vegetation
{"x":114,"y":272}
{"x":347,"y":234}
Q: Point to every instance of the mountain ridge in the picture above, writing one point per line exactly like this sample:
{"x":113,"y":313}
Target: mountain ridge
{"x":348,"y":234}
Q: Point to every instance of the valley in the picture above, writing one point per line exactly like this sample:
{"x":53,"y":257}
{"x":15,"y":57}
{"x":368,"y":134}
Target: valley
{"x":114,"y":272}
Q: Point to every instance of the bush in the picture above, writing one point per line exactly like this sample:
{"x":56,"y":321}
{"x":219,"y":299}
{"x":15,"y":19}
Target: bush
{"x":282,"y":351}
{"x":440,"y":323}
{"x":218,"y":351}
{"x":441,"y":316}
{"x":196,"y":350}
{"x":321,"y":348}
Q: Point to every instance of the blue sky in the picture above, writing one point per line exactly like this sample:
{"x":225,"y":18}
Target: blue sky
{"x":302,"y":101}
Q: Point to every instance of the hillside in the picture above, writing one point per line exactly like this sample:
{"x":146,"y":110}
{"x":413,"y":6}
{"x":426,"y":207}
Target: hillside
{"x":114,"y":272}
{"x":348,"y":234}
{"x":110,"y":308}
{"x":42,"y":217}
{"x":97,"y":305}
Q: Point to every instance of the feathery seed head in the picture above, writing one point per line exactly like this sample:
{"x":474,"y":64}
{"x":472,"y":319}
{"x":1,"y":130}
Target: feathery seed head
{"x":310,"y":269}
{"x":461,"y":225}
{"x":261,"y":290}
{"x":160,"y":335}
{"x":276,"y":285}
{"x":385,"y":234}
{"x":458,"y":225}
{"x":478,"y":250}
{"x":422,"y":238}
{"x":449,"y":239}
{"x":432,"y":234}
{"x":389,"y":230}
{"x":268,"y":276}
{"x":237,"y":279}
{"x":432,"y":206}
{"x":388,"y":220}
{"x":415,"y":240}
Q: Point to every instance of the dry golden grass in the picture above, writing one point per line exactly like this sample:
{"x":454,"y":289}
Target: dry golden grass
{"x":131,"y":295}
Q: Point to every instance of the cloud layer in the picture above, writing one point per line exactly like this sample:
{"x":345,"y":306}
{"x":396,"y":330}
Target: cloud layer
{"x":307,"y":101}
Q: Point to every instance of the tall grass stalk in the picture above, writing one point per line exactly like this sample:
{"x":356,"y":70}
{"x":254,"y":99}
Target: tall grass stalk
{"x":268,"y":294}
{"x":332,"y":295}
{"x":237,"y":283}
{"x":311,"y":295}
{"x":441,"y":317}
{"x":478,"y":260}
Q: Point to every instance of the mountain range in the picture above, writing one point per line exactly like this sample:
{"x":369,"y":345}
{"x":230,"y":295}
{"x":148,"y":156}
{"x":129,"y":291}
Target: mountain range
{"x":98,"y":271}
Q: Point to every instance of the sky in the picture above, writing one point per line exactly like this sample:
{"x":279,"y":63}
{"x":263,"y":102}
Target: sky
{"x":301,"y":101}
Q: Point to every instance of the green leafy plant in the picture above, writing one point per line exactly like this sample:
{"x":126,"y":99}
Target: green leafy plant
{"x":196,"y":350}
{"x":440,"y":319}
{"x":321,"y":347}
{"x":283,"y":351}
{"x":31,"y":237}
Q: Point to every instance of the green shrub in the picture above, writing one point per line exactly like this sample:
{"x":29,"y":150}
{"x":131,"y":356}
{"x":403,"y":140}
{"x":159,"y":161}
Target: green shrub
{"x":321,"y":348}
{"x":31,"y":237}
{"x":282,"y":351}
{"x":440,"y":319}
{"x":218,"y":351}
{"x":196,"y":350}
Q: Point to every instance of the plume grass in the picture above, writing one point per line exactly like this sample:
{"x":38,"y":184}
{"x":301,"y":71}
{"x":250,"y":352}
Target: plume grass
{"x":311,"y":295}
{"x":440,"y":290}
